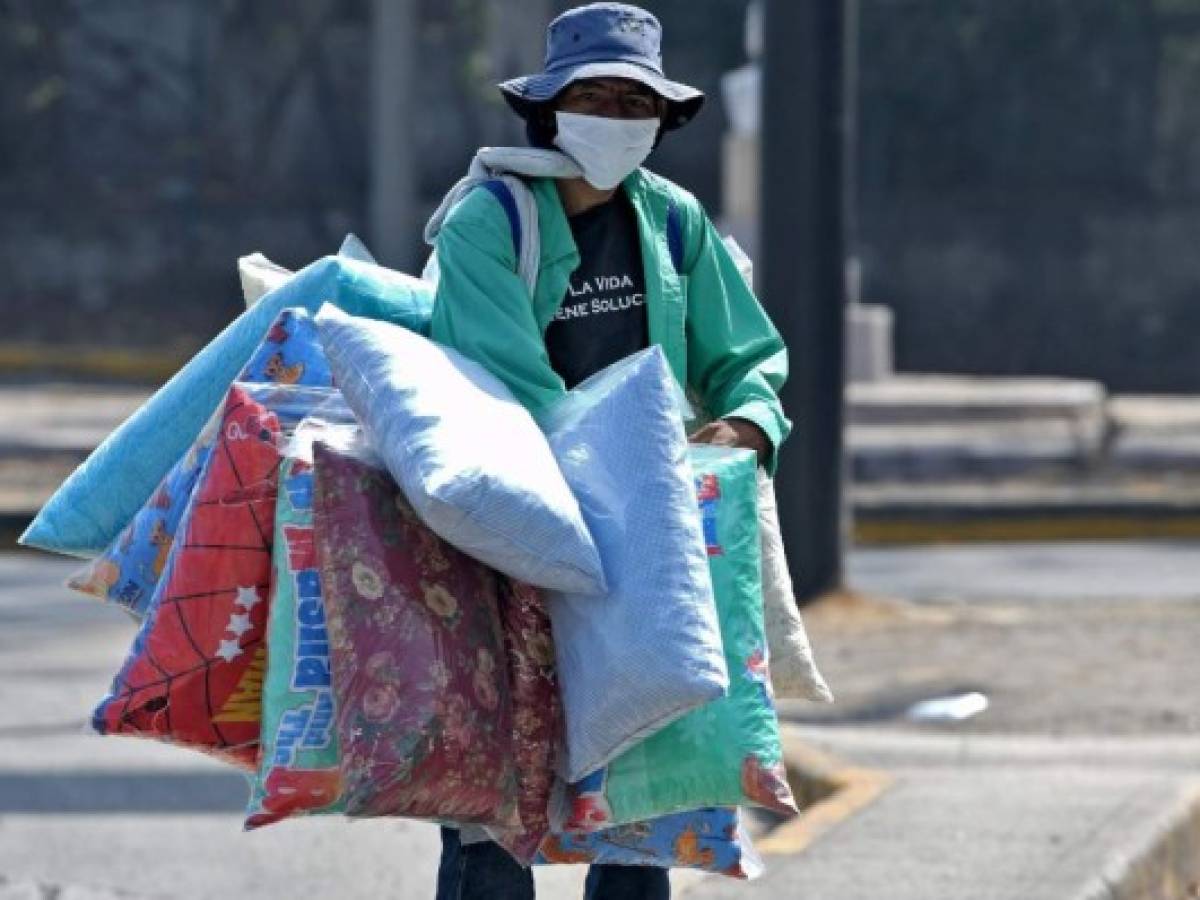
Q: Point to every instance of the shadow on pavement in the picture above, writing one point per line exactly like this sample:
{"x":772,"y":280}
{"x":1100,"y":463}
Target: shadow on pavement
{"x":38,"y":793}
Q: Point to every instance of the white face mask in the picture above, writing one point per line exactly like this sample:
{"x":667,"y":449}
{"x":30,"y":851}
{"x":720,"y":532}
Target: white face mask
{"x":606,"y":149}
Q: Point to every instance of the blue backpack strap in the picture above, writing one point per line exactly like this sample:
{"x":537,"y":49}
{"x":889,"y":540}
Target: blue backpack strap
{"x":675,"y":236}
{"x":501,"y":192}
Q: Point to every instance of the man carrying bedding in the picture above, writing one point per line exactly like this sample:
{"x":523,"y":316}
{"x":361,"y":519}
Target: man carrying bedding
{"x":627,"y":259}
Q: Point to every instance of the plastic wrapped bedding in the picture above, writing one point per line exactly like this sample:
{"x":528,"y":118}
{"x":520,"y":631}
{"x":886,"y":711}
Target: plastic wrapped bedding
{"x":649,"y":650}
{"x":299,"y":751}
{"x":128,"y":570}
{"x":728,"y":752}
{"x":794,"y":672}
{"x":421,"y":695}
{"x":96,"y":502}
{"x":537,"y":714}
{"x":468,"y":457}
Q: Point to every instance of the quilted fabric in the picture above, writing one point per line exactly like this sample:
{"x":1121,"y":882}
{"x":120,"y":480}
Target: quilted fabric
{"x":729,"y":752}
{"x":714,"y":840}
{"x":194,"y":673}
{"x":636,"y":659}
{"x":794,"y":672}
{"x":130,"y":568}
{"x":99,"y":498}
{"x":468,"y":457}
{"x":422,"y":703}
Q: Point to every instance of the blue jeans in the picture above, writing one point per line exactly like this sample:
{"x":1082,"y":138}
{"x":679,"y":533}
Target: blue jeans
{"x":486,"y":872}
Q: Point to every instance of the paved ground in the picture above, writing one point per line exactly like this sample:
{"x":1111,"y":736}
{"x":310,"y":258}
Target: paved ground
{"x":1067,"y":654}
{"x":978,"y":817}
{"x":1064,"y":639}
{"x":1086,"y":764}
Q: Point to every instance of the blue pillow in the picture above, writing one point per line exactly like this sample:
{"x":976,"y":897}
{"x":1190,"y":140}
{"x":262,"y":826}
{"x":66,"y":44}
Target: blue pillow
{"x":469,"y":458}
{"x":100,"y":497}
{"x":635,"y":660}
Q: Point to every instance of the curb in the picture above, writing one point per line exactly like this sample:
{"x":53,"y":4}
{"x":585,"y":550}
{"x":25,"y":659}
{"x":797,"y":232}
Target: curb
{"x":914,"y":525}
{"x":1165,"y":863}
{"x":154,"y":366}
{"x":1160,"y":859}
{"x":985,"y":528}
{"x":828,"y":792}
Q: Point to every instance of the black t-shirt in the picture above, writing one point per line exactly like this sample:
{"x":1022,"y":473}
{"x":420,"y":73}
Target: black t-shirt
{"x":603,"y":317}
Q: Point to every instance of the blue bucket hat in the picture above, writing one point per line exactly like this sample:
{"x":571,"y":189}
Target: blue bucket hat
{"x":604,"y":40}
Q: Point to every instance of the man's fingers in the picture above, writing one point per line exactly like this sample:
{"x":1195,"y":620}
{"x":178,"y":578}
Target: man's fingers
{"x":719,"y":432}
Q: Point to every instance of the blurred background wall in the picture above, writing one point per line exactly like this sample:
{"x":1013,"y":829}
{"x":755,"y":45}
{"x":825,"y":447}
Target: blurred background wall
{"x":1028,"y":170}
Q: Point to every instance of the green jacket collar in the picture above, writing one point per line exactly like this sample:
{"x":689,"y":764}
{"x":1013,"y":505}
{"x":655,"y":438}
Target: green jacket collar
{"x":557,"y":242}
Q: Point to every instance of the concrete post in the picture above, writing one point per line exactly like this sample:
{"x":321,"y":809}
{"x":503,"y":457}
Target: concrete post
{"x":392,"y":200}
{"x":803,"y":273}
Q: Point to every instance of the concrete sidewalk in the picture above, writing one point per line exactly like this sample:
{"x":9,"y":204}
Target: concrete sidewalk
{"x":1081,"y":781}
{"x":1001,"y":818}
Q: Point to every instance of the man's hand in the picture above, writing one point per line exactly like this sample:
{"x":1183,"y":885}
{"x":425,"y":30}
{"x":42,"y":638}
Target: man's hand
{"x":735,"y":433}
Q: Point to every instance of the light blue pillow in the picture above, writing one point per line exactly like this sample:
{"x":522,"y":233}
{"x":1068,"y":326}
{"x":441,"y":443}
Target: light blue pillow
{"x":637,"y":659}
{"x":100,"y":497}
{"x":469,"y":458}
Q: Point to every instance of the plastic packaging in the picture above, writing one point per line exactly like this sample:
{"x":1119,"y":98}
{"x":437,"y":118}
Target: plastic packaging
{"x":728,"y":752}
{"x":100,"y":498}
{"x":290,"y":353}
{"x":648,"y":651}
{"x":259,"y":276}
{"x":955,"y":708}
{"x":714,"y":840}
{"x":794,"y":672}
{"x":421,"y":700}
{"x":469,"y":458}
{"x":194,"y":673}
{"x":130,"y":568}
{"x":298,"y":761}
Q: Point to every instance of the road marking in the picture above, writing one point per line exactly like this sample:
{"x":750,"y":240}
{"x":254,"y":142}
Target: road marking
{"x":839,"y":791}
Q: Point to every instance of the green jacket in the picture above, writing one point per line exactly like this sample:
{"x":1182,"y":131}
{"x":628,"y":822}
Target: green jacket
{"x":716,"y":337}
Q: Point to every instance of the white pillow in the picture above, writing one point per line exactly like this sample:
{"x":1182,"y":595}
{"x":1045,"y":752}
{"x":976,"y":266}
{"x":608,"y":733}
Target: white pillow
{"x":469,"y":458}
{"x":259,"y":276}
{"x":794,"y":674}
